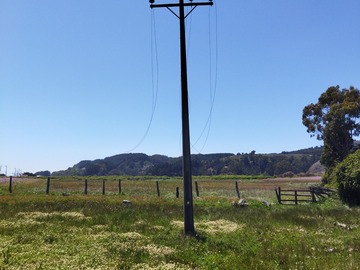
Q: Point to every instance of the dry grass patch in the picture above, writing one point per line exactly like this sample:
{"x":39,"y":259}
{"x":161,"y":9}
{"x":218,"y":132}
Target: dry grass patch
{"x":38,"y":216}
{"x":213,"y":227}
{"x":160,"y":266}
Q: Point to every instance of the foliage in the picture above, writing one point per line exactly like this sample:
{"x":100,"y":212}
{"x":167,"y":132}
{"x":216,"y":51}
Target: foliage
{"x":29,"y":174}
{"x":334,"y":119}
{"x":43,"y":173}
{"x":210,"y":164}
{"x":347,"y":175}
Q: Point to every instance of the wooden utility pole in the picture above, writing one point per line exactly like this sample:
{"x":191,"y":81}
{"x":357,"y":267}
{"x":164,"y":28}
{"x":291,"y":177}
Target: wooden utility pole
{"x":189,"y":228}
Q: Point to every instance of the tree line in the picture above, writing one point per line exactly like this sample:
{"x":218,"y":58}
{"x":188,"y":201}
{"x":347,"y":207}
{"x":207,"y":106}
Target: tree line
{"x":202,"y":164}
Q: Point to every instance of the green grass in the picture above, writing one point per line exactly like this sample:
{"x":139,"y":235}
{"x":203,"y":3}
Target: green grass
{"x":39,"y":231}
{"x":146,"y":186}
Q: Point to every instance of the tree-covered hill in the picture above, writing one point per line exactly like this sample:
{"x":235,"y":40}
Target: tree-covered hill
{"x":202,"y":164}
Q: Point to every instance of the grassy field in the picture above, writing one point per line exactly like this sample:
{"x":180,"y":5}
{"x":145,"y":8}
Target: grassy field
{"x":221,"y":186}
{"x":95,"y":231}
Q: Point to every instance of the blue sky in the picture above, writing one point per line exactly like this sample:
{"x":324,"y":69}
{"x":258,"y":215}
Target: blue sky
{"x":76,"y":77}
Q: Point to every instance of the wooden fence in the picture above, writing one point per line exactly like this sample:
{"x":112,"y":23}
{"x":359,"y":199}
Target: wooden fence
{"x":294,"y":196}
{"x":54,"y":186}
{"x":164,"y":188}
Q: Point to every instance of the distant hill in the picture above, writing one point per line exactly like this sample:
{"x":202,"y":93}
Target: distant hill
{"x":297,"y":162}
{"x":316,"y":169}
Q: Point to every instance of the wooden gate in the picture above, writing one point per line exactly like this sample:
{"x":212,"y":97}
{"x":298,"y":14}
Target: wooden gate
{"x":294,"y":196}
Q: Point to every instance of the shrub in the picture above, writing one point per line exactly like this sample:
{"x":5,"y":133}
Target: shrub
{"x":329,"y":177}
{"x":347,"y":174}
{"x":288,"y":174}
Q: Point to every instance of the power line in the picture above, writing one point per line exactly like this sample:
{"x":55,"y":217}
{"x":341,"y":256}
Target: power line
{"x":154,"y":79}
{"x":212,"y":87}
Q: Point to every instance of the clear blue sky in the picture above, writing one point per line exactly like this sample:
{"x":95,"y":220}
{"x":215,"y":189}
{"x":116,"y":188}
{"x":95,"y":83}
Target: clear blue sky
{"x":76,"y":76}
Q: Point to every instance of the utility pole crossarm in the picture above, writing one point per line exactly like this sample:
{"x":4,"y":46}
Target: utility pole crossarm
{"x":210,"y":3}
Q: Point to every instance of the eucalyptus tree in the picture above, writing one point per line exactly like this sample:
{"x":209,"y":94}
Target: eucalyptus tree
{"x":335,"y":120}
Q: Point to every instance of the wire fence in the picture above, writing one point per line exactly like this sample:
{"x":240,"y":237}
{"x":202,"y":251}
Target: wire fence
{"x":169,"y":188}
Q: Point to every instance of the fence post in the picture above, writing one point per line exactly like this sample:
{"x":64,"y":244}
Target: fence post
{"x":119,"y":186}
{"x":313,"y":198}
{"x":237,"y":189}
{"x":103,"y":187}
{"x":86,"y":187}
{"x":177,"y":192}
{"x":296,"y":197}
{"x":10,"y":185}
{"x":279,"y":190}
{"x":158,"y":188}
{"x":197,"y":188}
{"x":48,"y":185}
{"x":277,"y":195}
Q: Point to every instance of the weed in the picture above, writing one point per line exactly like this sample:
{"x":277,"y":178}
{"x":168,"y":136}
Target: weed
{"x":6,"y":255}
{"x":99,"y":232}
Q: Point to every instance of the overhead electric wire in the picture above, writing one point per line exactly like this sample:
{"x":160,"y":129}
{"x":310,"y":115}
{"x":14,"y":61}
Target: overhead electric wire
{"x":188,"y":40}
{"x":154,"y":79}
{"x":213,"y":87}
